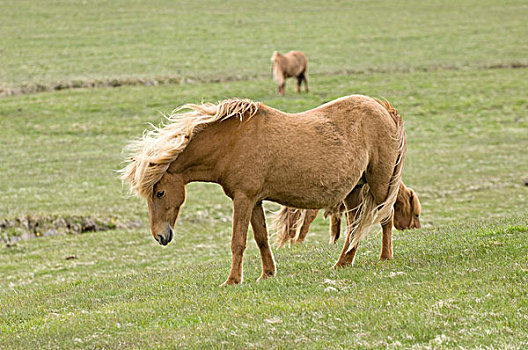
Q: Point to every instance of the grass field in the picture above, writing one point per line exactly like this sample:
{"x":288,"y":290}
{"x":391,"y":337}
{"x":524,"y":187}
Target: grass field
{"x":45,"y":42}
{"x":456,"y":72}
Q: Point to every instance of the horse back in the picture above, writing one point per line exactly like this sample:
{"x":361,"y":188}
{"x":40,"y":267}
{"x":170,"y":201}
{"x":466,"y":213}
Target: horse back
{"x":294,"y":63}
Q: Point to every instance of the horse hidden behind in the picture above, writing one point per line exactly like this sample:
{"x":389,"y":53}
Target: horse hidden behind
{"x":310,"y":160}
{"x":293,"y":224}
{"x":291,"y":64}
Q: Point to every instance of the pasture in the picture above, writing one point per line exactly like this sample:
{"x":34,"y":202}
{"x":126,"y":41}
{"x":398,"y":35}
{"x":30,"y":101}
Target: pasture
{"x":457,"y":74}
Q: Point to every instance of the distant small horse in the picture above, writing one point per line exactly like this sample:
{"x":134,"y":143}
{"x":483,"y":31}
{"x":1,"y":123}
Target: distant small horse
{"x":291,"y":64}
{"x":309,"y":160}
{"x":293,"y":224}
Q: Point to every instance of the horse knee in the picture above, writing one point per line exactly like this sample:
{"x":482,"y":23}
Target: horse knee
{"x":238,"y":249}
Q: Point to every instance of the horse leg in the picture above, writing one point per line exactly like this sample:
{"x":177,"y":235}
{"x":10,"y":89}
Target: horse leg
{"x":386,"y":243}
{"x":281,"y":89}
{"x":300,"y":78}
{"x":305,"y":83}
{"x":335,"y":224}
{"x":379,"y":187}
{"x":335,"y":227}
{"x":347,"y":256}
{"x":242,"y":208}
{"x":310,"y":216}
{"x":260,"y":233}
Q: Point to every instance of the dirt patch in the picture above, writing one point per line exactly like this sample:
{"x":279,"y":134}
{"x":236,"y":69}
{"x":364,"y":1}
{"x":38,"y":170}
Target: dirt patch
{"x":30,"y":88}
{"x":30,"y":226}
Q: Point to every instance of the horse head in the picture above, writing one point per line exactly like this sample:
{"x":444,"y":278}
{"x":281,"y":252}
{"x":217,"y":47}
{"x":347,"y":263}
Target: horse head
{"x":407,"y":209}
{"x":164,"y":206}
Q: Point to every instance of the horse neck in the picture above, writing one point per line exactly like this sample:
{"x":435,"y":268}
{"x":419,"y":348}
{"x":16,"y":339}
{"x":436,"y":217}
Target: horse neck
{"x":198,"y":161}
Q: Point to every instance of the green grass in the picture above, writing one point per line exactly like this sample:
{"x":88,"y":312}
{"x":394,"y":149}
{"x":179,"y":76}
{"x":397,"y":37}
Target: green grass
{"x":48,"y":41}
{"x":459,"y":286}
{"x":459,"y":282}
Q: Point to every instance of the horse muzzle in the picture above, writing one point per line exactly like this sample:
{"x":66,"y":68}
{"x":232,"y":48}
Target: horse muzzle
{"x":164,"y":240}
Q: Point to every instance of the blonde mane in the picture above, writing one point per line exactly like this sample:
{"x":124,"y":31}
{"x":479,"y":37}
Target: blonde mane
{"x":151,"y":156}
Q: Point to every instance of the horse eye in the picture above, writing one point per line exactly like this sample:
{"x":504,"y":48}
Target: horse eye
{"x":160,"y":194}
{"x":417,"y":216}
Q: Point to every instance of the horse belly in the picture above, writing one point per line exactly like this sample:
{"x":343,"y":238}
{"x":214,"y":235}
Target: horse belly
{"x":323,"y":186}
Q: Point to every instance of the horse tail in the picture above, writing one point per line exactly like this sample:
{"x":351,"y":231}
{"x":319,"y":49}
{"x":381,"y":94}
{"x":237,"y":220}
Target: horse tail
{"x":277,"y":69}
{"x":275,"y":55}
{"x":287,"y":224}
{"x":369,"y":213}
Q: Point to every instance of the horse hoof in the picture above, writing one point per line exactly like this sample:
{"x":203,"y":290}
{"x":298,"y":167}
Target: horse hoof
{"x":266,"y":276}
{"x":230,"y":283}
{"x":337,"y":266}
{"x":383,"y":258}
{"x":343,"y":264}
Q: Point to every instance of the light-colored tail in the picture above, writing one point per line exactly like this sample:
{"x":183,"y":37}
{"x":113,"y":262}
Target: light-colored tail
{"x":369,"y":213}
{"x":287,"y":224}
{"x":275,"y":55}
{"x":277,"y":68}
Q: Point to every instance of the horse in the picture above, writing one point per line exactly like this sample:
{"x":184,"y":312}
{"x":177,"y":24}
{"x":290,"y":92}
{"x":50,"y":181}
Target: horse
{"x":291,"y":64}
{"x":293,"y":224}
{"x":310,"y":160}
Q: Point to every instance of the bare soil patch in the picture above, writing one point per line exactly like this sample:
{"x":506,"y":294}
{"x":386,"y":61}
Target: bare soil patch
{"x":33,"y":226}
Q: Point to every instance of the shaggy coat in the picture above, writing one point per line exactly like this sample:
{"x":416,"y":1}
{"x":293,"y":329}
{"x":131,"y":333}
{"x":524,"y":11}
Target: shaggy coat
{"x":307,"y":160}
{"x":291,"y":64}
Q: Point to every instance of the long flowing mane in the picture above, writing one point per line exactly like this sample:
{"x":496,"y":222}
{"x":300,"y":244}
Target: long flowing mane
{"x":151,"y":156}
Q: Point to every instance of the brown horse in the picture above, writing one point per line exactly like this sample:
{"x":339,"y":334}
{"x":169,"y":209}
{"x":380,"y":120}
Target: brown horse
{"x":309,"y":160}
{"x":293,"y":224}
{"x":291,"y":64}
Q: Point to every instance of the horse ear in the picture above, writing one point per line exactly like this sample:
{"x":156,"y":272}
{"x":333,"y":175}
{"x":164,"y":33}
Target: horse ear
{"x":415,"y":202}
{"x":411,"y":199}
